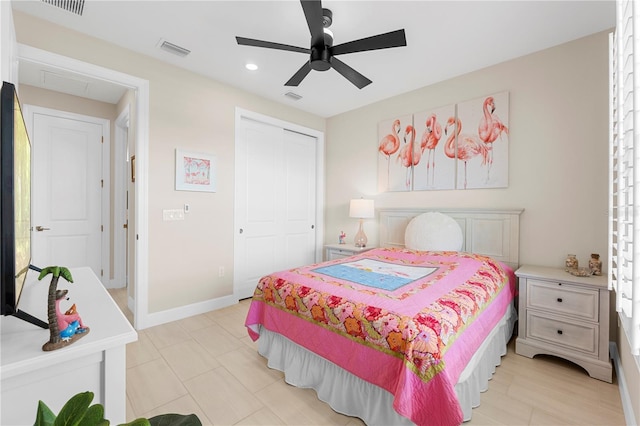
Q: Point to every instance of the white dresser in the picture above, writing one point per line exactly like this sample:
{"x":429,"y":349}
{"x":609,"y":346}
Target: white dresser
{"x":566,"y":316}
{"x":96,"y":362}
{"x":338,"y":251}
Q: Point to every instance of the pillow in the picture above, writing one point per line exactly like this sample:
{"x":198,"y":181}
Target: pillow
{"x":433,"y":231}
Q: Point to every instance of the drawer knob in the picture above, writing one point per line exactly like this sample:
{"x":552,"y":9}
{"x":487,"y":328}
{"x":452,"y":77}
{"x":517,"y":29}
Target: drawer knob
{"x":559,"y":331}
{"x":559,"y":299}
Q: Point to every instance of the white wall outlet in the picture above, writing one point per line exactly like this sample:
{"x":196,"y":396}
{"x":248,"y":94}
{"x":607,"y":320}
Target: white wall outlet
{"x":186,"y":208}
{"x":221,"y":271}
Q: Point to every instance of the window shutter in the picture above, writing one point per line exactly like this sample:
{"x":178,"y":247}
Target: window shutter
{"x":624,"y":179}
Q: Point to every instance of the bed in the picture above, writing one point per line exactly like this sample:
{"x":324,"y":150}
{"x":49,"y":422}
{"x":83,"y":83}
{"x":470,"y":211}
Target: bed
{"x":397,"y":335}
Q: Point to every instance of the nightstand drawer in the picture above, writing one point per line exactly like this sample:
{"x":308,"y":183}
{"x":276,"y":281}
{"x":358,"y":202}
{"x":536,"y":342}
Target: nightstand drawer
{"x":338,"y":254}
{"x":574,"y":336}
{"x":564,"y":299}
{"x":338,"y":251}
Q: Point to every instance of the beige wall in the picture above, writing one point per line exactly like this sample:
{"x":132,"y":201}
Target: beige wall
{"x":558,"y":157}
{"x":55,"y":100}
{"x":558,"y":151}
{"x":186,"y":111}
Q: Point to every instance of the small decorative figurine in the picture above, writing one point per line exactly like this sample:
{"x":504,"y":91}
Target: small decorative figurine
{"x":595,"y":264}
{"x":342,"y":237}
{"x":571,"y":262}
{"x":69,"y":323}
{"x":64,"y":328}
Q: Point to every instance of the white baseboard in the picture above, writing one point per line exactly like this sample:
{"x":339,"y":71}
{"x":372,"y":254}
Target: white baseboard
{"x":163,"y":317}
{"x":627,"y":407}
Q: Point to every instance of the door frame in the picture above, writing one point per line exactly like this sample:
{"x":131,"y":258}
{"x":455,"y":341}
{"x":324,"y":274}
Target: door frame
{"x":241,"y":113}
{"x":29,"y":112}
{"x":120,"y":189}
{"x":141,"y":151}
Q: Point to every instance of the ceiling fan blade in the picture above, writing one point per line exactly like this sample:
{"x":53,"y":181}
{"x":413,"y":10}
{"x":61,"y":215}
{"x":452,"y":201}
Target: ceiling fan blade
{"x":313,"y":13}
{"x":270,"y":45}
{"x":299,"y":75}
{"x":350,"y":74}
{"x":380,"y":41}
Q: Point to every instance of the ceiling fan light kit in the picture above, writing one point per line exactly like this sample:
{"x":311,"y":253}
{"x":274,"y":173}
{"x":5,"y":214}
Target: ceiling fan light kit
{"x":322,"y":52}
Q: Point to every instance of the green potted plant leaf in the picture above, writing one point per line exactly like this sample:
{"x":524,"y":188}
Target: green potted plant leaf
{"x":78,"y":411}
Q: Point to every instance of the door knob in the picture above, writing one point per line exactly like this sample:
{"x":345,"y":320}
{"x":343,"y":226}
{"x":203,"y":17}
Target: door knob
{"x":40,"y":228}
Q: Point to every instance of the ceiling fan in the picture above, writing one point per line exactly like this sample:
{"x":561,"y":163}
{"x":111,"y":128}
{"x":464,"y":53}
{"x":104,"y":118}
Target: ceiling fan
{"x":322,"y":52}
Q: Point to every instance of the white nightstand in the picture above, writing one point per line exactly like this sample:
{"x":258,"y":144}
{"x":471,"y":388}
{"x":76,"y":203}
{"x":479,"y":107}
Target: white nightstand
{"x":337,"y":251}
{"x":566,"y":316}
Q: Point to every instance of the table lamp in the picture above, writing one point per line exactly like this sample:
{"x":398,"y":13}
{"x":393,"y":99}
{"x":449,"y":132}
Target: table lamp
{"x":361,"y":209}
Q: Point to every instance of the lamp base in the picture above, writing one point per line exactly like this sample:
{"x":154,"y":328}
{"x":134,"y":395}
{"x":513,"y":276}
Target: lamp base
{"x":360,"y":240}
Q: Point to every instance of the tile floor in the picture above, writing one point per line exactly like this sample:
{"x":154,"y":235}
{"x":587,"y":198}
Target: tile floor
{"x":207,"y":365}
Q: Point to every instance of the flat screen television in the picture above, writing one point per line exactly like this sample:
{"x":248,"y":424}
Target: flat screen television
{"x":15,"y":205}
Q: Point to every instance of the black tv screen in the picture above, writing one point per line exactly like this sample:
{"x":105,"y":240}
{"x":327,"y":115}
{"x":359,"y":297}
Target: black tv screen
{"x":15,"y":200}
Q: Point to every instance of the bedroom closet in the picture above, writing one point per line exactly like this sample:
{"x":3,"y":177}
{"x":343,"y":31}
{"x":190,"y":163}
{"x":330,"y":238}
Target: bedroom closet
{"x":275,"y":201}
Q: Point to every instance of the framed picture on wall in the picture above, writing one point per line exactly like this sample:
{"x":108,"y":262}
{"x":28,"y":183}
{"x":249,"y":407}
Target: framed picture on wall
{"x":195,"y":171}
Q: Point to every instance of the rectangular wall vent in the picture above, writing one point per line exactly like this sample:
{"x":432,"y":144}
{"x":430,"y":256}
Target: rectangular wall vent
{"x":73,"y":6}
{"x":173,"y":48}
{"x":293,"y":96}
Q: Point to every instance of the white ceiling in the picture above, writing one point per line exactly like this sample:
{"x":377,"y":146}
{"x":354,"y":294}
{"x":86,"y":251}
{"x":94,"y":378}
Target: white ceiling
{"x":444,"y":39}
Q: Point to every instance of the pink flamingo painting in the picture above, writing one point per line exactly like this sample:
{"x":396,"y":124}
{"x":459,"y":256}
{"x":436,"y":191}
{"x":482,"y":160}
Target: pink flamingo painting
{"x":410,"y":153}
{"x":390,"y":144}
{"x":430,"y":139}
{"x":490,"y":128}
{"x":469,"y":146}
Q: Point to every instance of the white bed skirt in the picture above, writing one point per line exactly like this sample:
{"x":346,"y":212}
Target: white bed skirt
{"x":352,"y":396}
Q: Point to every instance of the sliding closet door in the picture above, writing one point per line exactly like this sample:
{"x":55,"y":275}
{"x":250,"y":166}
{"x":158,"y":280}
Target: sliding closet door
{"x":275,"y":202}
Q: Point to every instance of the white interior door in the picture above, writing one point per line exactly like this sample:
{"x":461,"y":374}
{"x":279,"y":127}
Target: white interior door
{"x":67,"y":192}
{"x":275,"y":202}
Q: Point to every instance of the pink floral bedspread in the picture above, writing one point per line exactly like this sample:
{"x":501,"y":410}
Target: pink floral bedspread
{"x":406,"y":321}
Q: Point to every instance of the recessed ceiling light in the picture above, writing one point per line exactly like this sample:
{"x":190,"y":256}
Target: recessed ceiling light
{"x":251,"y":67}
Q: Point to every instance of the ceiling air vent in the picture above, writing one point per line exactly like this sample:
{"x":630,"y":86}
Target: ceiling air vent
{"x":293,"y":96}
{"x":73,"y":6}
{"x":173,"y":48}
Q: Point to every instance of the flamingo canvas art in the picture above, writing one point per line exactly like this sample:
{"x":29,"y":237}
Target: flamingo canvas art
{"x":396,"y":141}
{"x":486,"y":119}
{"x":434,"y":170}
{"x":457,"y":146}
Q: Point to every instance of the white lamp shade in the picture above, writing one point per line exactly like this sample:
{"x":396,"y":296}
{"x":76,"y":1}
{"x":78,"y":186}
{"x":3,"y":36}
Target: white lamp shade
{"x":361,"y":208}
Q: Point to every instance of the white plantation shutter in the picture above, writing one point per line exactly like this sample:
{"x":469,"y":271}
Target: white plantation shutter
{"x":624,"y":176}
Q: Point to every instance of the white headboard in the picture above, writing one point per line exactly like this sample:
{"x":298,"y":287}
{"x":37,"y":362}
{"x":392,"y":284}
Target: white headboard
{"x":494,"y":233}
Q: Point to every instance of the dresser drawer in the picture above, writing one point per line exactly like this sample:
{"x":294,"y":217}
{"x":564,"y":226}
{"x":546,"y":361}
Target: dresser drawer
{"x":563,"y":299}
{"x":574,"y":336}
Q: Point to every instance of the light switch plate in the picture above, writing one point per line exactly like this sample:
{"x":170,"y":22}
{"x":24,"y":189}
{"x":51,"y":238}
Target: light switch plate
{"x":174,"y":214}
